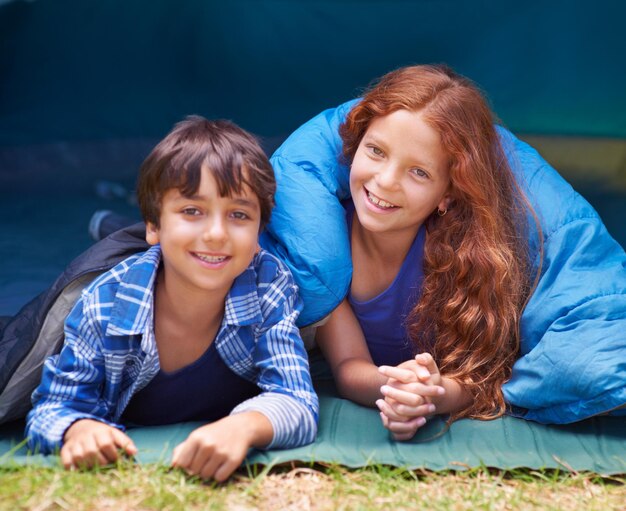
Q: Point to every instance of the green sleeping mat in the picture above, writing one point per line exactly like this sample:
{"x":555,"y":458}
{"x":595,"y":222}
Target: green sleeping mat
{"x":353,"y":436}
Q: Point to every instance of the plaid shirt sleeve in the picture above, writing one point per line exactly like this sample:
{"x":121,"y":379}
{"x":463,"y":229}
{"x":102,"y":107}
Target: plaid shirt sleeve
{"x":76,"y":383}
{"x":288,"y":399}
{"x":70,"y":386}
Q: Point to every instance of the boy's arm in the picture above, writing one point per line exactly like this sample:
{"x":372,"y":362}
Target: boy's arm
{"x":70,"y":387}
{"x":288,"y":399}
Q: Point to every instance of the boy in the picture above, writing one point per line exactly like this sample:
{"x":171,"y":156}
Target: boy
{"x":201,"y":327}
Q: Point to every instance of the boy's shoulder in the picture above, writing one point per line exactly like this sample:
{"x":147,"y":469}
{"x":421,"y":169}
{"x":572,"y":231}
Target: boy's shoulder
{"x":269,"y":268}
{"x":268,"y":279}
{"x":136,"y":270}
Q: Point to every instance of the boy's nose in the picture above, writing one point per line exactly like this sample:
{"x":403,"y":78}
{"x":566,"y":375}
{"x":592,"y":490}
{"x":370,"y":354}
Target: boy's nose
{"x":214,"y":230}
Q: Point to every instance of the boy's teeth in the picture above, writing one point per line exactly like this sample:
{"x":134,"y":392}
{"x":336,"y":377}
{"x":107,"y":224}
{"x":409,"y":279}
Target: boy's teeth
{"x":211,"y":259}
{"x":379,"y":202}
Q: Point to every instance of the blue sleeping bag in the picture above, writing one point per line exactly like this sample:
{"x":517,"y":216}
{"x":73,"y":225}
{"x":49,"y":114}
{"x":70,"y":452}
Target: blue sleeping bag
{"x":572,"y":363}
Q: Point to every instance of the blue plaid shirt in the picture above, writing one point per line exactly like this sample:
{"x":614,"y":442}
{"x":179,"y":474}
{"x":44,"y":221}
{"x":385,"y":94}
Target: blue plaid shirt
{"x":110,"y":352}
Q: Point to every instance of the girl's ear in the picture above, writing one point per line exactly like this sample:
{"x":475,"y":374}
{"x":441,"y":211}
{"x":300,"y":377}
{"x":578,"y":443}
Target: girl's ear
{"x":152,"y":233}
{"x":445,"y":202}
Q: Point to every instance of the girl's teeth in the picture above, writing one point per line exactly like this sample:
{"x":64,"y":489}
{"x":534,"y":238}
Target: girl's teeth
{"x":379,"y":202}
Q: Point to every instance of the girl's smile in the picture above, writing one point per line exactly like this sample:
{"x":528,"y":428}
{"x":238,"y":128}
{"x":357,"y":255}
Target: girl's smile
{"x":378,"y":202}
{"x":399,"y":174}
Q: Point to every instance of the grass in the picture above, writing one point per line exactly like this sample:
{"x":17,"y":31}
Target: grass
{"x":147,"y":487}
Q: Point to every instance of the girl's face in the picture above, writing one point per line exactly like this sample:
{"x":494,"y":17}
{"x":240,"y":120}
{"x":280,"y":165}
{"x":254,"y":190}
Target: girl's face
{"x":399,"y":174}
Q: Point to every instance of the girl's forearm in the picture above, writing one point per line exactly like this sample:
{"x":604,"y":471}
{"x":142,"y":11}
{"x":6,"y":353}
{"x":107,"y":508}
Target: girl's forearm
{"x":359,"y":380}
{"x":456,"y":397}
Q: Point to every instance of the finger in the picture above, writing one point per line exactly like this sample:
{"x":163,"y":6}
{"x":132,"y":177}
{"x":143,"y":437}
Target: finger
{"x":106,"y":446}
{"x":67,"y":458}
{"x":402,"y":437}
{"x":398,"y":373}
{"x":432,"y":390}
{"x":405,"y":393}
{"x":415,"y":387}
{"x":384,"y":419}
{"x":124,"y":442}
{"x":415,"y":411}
{"x":423,"y":374}
{"x":206,"y":467}
{"x":204,"y":460}
{"x":108,"y":441}
{"x":426,"y":360}
{"x":401,"y":396}
{"x":407,"y":427}
{"x":83,"y":457}
{"x":225,"y":470}
{"x":183,"y":454}
{"x":91,"y":454}
{"x":389,"y":411}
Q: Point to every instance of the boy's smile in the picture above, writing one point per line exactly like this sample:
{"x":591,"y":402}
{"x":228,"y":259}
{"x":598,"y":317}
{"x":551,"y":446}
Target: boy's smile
{"x":212,"y":261}
{"x":207,"y":240}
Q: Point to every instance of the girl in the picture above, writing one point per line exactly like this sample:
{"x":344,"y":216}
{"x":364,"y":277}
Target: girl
{"x":445,"y":259}
{"x":440,"y":264}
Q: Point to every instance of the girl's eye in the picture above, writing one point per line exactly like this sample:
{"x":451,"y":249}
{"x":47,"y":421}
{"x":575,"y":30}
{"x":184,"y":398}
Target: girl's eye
{"x":419,"y":172}
{"x":375,"y":150}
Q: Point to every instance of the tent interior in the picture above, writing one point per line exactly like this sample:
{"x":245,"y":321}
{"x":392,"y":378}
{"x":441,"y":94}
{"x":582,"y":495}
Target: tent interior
{"x":87,"y":89}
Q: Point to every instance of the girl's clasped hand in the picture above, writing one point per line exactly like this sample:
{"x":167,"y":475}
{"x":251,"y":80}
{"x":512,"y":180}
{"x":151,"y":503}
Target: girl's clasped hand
{"x":411,"y":395}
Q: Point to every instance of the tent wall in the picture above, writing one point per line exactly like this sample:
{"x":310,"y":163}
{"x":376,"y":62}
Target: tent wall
{"x":85,"y":70}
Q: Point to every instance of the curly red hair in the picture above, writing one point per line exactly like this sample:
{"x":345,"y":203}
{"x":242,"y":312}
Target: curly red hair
{"x":476,"y":269}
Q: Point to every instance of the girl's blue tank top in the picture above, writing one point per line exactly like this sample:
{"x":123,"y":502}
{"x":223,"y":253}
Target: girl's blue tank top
{"x":205,"y":390}
{"x":383,"y":318}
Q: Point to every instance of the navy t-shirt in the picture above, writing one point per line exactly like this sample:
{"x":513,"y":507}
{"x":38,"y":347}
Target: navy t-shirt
{"x":383,"y":318}
{"x":205,"y":390}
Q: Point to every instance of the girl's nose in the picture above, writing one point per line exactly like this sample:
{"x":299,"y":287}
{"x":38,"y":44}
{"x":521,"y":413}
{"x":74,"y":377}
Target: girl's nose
{"x":387,"y":177}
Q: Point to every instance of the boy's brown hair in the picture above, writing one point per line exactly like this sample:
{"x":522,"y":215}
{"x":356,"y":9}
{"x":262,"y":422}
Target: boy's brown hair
{"x":233,"y":156}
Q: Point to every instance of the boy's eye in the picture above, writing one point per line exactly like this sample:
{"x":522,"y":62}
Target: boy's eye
{"x":191,"y":211}
{"x":239,"y":215}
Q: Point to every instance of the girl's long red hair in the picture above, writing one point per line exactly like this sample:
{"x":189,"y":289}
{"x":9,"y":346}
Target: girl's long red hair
{"x":476,"y":268}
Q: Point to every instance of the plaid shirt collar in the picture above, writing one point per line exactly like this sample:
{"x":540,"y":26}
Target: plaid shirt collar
{"x":132,"y":311}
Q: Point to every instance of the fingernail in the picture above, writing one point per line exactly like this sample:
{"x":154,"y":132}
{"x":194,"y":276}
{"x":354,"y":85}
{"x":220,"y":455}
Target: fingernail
{"x":421,"y":421}
{"x":431,"y":408}
{"x":441,"y":391}
{"x":384,"y":389}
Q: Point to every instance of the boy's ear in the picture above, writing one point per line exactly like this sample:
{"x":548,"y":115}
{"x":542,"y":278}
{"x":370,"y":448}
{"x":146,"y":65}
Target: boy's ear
{"x":152,"y":233}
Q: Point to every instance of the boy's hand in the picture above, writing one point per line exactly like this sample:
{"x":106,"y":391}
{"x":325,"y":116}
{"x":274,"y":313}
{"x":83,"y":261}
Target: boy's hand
{"x":216,"y":450}
{"x":88,"y":443}
{"x":409,"y":391}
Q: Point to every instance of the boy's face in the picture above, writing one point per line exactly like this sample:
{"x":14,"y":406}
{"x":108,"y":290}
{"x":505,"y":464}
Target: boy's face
{"x":207,"y":240}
